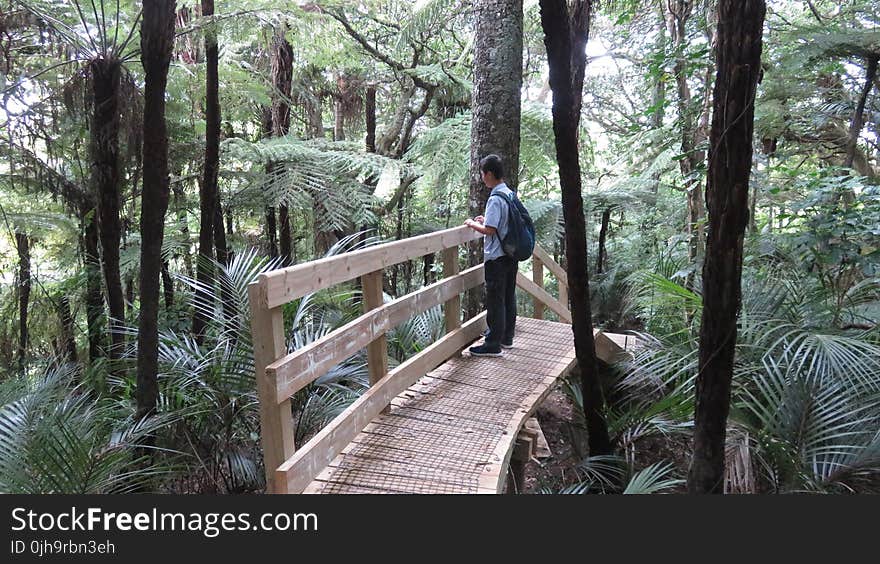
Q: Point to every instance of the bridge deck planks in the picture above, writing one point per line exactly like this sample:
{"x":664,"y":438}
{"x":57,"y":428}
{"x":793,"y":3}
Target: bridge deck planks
{"x":454,"y":430}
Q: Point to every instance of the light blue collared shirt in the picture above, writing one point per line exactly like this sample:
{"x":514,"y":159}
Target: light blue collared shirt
{"x":496,"y":216}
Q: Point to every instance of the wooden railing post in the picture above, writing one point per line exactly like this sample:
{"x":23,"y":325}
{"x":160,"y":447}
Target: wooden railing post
{"x":563,"y":293}
{"x":276,"y":420}
{"x":377,"y":351}
{"x":452,"y":307}
{"x":538,"y":278}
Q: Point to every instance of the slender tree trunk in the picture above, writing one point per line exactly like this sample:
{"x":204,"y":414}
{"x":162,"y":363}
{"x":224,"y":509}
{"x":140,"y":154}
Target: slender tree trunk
{"x":22,"y":244}
{"x":495,"y":107}
{"x":167,"y":286}
{"x":603,"y":234}
{"x":68,"y":342}
{"x":129,"y":289}
{"x":565,"y":36}
{"x":208,"y":186}
{"x":105,"y":184}
{"x":370,"y":113}
{"x":180,"y":210}
{"x":315,"y":128}
{"x":94,"y":294}
{"x":691,"y":135}
{"x":285,"y":235}
{"x":282,"y":79}
{"x":157,"y":42}
{"x":428,"y":269}
{"x":338,"y":121}
{"x":858,"y":119}
{"x":224,"y":255}
{"x":658,"y":106}
{"x":271,"y":233}
{"x":727,"y":192}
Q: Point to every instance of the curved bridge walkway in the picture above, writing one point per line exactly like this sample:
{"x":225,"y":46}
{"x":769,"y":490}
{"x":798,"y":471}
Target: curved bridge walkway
{"x":441,"y":422}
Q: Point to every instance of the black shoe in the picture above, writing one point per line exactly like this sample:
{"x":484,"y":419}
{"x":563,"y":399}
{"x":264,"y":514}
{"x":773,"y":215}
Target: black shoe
{"x":485,"y":350}
{"x":508,"y":345}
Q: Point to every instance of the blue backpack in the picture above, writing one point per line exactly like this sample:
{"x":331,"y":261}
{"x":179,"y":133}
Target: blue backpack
{"x":519,"y":242}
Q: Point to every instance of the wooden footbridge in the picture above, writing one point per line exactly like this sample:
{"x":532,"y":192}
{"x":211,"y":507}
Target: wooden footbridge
{"x":440,"y":422}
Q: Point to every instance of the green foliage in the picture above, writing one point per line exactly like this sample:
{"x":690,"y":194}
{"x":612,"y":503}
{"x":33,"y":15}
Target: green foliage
{"x":807,"y":395}
{"x":55,"y":437}
{"x":327,"y":178}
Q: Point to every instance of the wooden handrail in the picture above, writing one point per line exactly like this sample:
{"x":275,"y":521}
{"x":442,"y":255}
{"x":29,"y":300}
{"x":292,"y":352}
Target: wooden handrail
{"x":287,"y":284}
{"x":540,"y":295}
{"x":551,"y":264}
{"x":535,"y":287}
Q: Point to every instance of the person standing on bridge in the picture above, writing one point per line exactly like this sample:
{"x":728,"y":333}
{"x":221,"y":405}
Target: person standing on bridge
{"x":500,"y":269}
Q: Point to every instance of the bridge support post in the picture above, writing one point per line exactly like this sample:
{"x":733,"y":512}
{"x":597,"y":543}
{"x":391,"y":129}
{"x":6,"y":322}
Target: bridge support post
{"x":377,"y":351}
{"x":452,"y":307}
{"x":276,"y":419}
{"x":538,"y":278}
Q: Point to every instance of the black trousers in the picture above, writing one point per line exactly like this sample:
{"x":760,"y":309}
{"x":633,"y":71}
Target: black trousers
{"x":500,"y":300}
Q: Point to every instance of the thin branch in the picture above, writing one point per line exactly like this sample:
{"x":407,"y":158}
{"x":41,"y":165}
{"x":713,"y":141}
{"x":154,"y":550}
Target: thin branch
{"x":131,"y":31}
{"x":815,"y":12}
{"x":116,"y":27}
{"x":362,"y":41}
{"x":85,"y":24}
{"x":61,"y":29}
{"x":102,"y":28}
{"x":193,"y":28}
{"x":37,"y":74}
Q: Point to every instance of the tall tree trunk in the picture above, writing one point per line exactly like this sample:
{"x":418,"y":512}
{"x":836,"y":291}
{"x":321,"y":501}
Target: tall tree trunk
{"x":104,"y":155}
{"x":282,"y":79}
{"x":858,"y":119}
{"x":92,"y":267}
{"x":68,"y":342}
{"x":495,"y":107}
{"x":692,"y":136}
{"x":208,"y":186}
{"x":157,"y":42}
{"x":565,"y":36}
{"x":738,"y":59}
{"x":22,"y":244}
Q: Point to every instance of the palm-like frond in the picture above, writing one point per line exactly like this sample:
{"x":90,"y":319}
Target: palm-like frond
{"x":416,"y":333}
{"x":57,"y":439}
{"x":653,"y":479}
{"x":317,"y":176}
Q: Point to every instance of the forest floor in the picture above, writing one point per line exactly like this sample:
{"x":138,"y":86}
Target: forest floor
{"x":568,"y":443}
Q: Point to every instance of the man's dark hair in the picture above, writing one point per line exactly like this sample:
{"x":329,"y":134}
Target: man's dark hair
{"x":492,"y":163}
